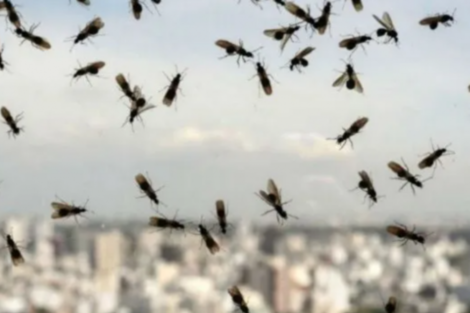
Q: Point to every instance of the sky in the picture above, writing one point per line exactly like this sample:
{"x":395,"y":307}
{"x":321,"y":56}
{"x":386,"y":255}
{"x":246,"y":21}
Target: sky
{"x":224,"y":139}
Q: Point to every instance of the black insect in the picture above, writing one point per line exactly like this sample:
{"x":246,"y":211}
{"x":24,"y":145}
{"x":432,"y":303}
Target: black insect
{"x":274,"y":199}
{"x":349,"y":77}
{"x":387,"y":29}
{"x":3,"y":63}
{"x":433,"y":21}
{"x":299,"y":59}
{"x":12,"y":122}
{"x":433,"y":157}
{"x":283,"y":34}
{"x":90,"y":69}
{"x":37,"y":41}
{"x":351,"y":43}
{"x":351,"y":131}
{"x":403,"y":173}
{"x":367,"y":186}
{"x":232,"y":49}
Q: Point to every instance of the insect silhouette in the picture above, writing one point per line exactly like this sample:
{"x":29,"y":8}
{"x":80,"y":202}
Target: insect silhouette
{"x":12,"y":122}
{"x":264,"y":80}
{"x":2,"y":60}
{"x":84,"y":2}
{"x":90,"y":69}
{"x":321,"y":24}
{"x":299,"y":59}
{"x":391,"y":305}
{"x":283,"y":34}
{"x":37,"y":41}
{"x":433,"y":21}
{"x":274,"y":199}
{"x":354,"y":129}
{"x":357,"y":4}
{"x":15,"y":253}
{"x":137,"y":8}
{"x":171,"y":92}
{"x":351,"y":43}
{"x":210,"y":242}
{"x":221,"y":215}
{"x":366,"y":185}
{"x":349,"y":77}
{"x":403,"y":173}
{"x":147,"y":189}
{"x":279,"y":3}
{"x":164,"y":223}
{"x":139,"y":98}
{"x":387,"y":29}
{"x":135,"y":111}
{"x":12,"y":15}
{"x":92,"y":28}
{"x":405,"y":235}
{"x":125,"y":87}
{"x":232,"y":49}
{"x":303,"y":15}
{"x":64,"y":210}
{"x":238,"y":299}
{"x":432,"y":158}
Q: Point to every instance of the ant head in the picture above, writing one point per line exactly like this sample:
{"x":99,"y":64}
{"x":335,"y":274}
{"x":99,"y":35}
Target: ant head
{"x":448,"y":18}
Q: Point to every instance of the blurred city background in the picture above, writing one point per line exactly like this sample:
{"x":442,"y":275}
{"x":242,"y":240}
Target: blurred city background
{"x":127,"y":267}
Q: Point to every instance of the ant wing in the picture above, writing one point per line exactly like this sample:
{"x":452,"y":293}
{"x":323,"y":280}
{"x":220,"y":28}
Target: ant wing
{"x":84,"y":2}
{"x":357,"y":86}
{"x":6,"y":114}
{"x":16,"y":257}
{"x":396,"y":168}
{"x":346,"y":42}
{"x":359,"y":123}
{"x":295,"y":10}
{"x":381,"y":22}
{"x":220,"y":207}
{"x":225,"y":44}
{"x":272,"y":189}
{"x":429,"y":20}
{"x":285,"y":40}
{"x":366,"y":178}
{"x":388,"y":21}
{"x":265,"y":197}
{"x":272,"y":32}
{"x":340,"y":81}
{"x":395,"y":230}
{"x":357,"y":5}
{"x":61,"y":210}
{"x":304,"y":52}
{"x":122,"y":82}
{"x":146,"y":108}
{"x":43,"y":44}
{"x":138,"y":92}
{"x":426,"y":161}
{"x":97,"y":65}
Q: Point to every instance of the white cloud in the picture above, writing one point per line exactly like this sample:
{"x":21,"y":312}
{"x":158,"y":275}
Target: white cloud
{"x":313,"y":145}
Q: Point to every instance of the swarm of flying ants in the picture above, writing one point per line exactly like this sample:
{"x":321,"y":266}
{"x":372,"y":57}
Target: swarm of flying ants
{"x":138,"y":103}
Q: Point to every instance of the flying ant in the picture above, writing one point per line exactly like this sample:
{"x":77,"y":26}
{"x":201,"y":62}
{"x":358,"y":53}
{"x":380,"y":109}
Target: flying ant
{"x":137,"y":8}
{"x":280,"y":3}
{"x":147,"y":189}
{"x":403,"y":173}
{"x":164,"y":223}
{"x":357,"y":4}
{"x":351,"y":43}
{"x":301,"y":14}
{"x":210,"y":242}
{"x":170,"y":94}
{"x":64,"y":210}
{"x":433,"y":157}
{"x":238,"y":299}
{"x":15,"y":253}
{"x":92,"y":28}
{"x":284,"y":34}
{"x":299,"y":59}
{"x":135,"y":112}
{"x":37,"y":41}
{"x":402,"y":232}
{"x":84,"y":2}
{"x":388,"y":28}
{"x":263,"y":78}
{"x":321,"y":24}
{"x":90,"y":69}
{"x":125,"y":87}
{"x":12,"y":122}
{"x":367,"y":186}
{"x":274,"y":199}
{"x":433,"y":21}
{"x":12,"y":15}
{"x":349,"y":77}
{"x":351,"y":131}
{"x":221,"y":216}
{"x":391,"y":305}
{"x":231,"y":49}
{"x":2,"y":61}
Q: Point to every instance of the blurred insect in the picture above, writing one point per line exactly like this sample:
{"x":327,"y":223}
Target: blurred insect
{"x":388,"y":28}
{"x":136,"y":112}
{"x":221,"y":216}
{"x":12,"y":122}
{"x":351,"y":43}
{"x":90,"y":69}
{"x":367,"y":186}
{"x":15,"y":253}
{"x":147,"y":189}
{"x":139,"y":99}
{"x":303,"y":15}
{"x":402,"y":232}
{"x":238,"y":299}
{"x":351,"y":131}
{"x":170,"y":94}
{"x":274,"y":199}
{"x":432,"y":158}
{"x":349,"y":77}
{"x":321,"y":24}
{"x":125,"y":87}
{"x":64,"y":210}
{"x":2,"y":60}
{"x":264,"y":80}
{"x":83,"y":2}
{"x":279,"y":3}
{"x":299,"y":59}
{"x":13,"y":16}
{"x":255,"y":2}
{"x":92,"y":28}
{"x":210,"y":242}
{"x":137,"y":8}
{"x":37,"y":41}
{"x":232,"y":49}
{"x":357,"y":4}
{"x":403,"y":173}
{"x":164,"y":223}
{"x":391,"y":305}
{"x":284,"y":34}
{"x":433,"y":21}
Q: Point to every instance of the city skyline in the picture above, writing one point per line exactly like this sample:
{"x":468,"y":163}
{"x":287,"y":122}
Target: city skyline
{"x":224,"y":141}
